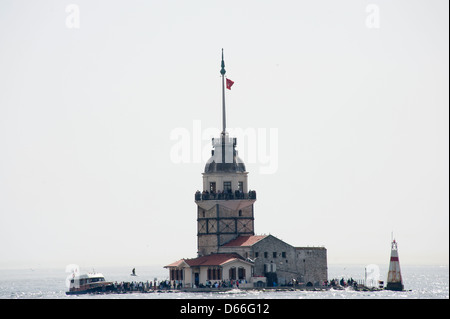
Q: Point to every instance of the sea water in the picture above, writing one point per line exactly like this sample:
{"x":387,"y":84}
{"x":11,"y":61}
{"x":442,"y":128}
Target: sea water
{"x":421,"y":282}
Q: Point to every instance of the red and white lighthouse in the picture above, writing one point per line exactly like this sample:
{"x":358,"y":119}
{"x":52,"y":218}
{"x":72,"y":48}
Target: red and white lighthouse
{"x":394,"y":279}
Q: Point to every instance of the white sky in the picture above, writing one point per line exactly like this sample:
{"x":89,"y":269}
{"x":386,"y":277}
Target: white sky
{"x":86,"y":117}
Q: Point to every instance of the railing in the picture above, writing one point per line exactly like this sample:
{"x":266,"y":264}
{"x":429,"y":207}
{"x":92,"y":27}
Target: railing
{"x":224,"y":196}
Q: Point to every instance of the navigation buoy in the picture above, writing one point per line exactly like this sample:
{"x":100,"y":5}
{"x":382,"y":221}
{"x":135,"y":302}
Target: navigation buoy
{"x":394,"y":279}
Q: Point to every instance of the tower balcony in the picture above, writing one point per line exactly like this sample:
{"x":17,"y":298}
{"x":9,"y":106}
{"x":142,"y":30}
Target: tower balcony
{"x":237,"y":195}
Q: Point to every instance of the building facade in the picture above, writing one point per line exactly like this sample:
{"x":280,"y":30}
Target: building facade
{"x":281,"y":262}
{"x":226,"y":269}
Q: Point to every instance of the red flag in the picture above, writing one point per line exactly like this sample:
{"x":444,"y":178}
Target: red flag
{"x":229,"y":84}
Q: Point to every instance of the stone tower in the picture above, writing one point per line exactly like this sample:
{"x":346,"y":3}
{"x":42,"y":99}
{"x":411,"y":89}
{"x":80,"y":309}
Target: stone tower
{"x":225,"y":207}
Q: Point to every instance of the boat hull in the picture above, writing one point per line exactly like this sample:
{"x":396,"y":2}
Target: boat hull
{"x":104,"y":288}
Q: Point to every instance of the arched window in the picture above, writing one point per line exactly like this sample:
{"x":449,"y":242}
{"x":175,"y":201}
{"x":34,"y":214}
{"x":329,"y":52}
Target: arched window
{"x":241,"y":273}
{"x":214,"y":274}
{"x":232,"y":273}
{"x":209,"y":274}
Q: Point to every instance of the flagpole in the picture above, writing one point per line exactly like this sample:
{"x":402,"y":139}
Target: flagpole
{"x":222,"y":71}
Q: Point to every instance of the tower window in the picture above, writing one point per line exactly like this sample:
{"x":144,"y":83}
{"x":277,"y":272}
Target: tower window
{"x":274,"y":254}
{"x":283,"y":254}
{"x":240,"y":212}
{"x":212,"y":187}
{"x":227,"y":187}
{"x":266,"y":254}
{"x":241,"y":186}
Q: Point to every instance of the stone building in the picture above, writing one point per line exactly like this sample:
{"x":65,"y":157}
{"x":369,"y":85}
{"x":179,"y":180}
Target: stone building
{"x":226,"y":235}
{"x":280,"y":261}
{"x":207,"y":270}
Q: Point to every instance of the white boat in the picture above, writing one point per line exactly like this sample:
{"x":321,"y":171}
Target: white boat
{"x":89,"y":283}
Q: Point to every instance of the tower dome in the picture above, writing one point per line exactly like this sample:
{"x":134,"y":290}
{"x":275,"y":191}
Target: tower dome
{"x":224,"y":158}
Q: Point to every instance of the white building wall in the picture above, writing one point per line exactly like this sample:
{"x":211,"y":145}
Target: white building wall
{"x":234,"y":178}
{"x":237,"y":264}
{"x":187,"y":277}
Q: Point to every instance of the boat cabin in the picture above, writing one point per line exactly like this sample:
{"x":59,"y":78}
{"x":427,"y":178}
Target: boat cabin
{"x":88,"y":283}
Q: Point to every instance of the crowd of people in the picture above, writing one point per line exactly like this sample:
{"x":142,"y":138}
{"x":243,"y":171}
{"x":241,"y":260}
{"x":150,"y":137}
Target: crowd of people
{"x":133,"y":286}
{"x":228,"y":194}
{"x":223,"y":284}
{"x":149,"y":286}
{"x":146,"y":286}
{"x":343,"y":283}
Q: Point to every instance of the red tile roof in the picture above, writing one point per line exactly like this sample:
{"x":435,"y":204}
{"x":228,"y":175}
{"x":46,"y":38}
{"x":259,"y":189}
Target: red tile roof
{"x":212,"y":260}
{"x":244,"y":241}
{"x":208,"y":260}
{"x":176,"y":263}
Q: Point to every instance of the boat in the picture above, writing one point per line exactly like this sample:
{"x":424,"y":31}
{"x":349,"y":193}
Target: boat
{"x":89,"y":283}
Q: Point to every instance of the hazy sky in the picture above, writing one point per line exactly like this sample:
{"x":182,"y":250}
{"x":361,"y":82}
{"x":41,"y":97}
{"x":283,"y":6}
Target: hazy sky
{"x":107,"y":107}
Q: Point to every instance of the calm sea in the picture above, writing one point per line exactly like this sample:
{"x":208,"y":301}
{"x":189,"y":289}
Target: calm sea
{"x":421,"y":282}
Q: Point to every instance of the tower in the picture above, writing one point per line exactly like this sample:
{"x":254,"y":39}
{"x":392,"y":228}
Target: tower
{"x":394,"y":279}
{"x":225,"y":207}
{"x":227,"y":247}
